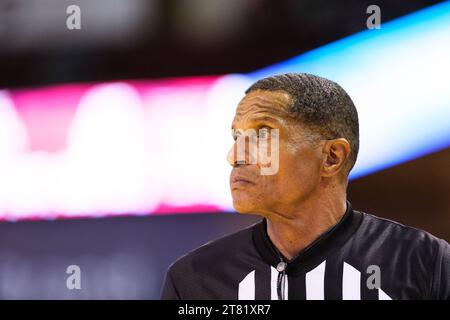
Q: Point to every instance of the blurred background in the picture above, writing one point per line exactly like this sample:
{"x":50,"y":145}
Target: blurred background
{"x":113,"y":137}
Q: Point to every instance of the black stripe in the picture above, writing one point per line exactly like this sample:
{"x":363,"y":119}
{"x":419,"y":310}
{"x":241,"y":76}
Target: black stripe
{"x":366,"y":293}
{"x":297,"y":287}
{"x":333,"y":278}
{"x":262,"y":283}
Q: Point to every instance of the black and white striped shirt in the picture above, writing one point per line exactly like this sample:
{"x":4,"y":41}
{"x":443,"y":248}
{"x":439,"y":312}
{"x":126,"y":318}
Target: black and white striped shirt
{"x":363,"y":257}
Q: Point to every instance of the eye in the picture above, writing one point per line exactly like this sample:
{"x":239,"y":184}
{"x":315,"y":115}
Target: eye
{"x":263,"y":132}
{"x":235,"y":134}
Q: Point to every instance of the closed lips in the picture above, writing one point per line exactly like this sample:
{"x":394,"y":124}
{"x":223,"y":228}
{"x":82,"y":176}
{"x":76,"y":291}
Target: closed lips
{"x":240,"y":179}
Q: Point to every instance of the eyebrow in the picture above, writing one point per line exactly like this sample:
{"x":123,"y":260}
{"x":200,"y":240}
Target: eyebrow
{"x":262,"y":119}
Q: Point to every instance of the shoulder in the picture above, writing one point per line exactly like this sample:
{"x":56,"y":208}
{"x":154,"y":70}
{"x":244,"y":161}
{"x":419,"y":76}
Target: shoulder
{"x":414,"y":262}
{"x":397,"y":241}
{"x":381,"y":229}
{"x":200,"y":272}
{"x":214,"y":252}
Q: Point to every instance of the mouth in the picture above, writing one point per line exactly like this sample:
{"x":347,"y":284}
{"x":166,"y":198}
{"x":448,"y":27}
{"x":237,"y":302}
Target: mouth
{"x":240,"y":182}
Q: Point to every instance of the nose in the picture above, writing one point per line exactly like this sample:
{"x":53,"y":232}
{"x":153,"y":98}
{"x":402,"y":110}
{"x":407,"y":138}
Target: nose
{"x":232,"y":157}
{"x":242,"y":152}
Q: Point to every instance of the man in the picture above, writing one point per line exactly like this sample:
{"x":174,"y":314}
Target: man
{"x":310,"y":244}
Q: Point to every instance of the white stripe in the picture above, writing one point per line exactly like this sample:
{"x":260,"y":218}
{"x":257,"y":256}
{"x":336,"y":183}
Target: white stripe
{"x":351,"y":283}
{"x":382,"y":295}
{"x":286,"y":280}
{"x":247,"y":287}
{"x":315,"y":280}
{"x":273,"y":284}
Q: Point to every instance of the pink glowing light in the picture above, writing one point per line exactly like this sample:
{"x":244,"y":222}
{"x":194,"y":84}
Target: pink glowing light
{"x":132,"y":147}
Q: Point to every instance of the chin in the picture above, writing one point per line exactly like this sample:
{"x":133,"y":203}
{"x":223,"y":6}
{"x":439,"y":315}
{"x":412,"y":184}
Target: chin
{"x":248,"y":203}
{"x":244,"y":206}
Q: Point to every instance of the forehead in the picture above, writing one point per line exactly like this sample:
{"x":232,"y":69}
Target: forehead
{"x":263,"y":104}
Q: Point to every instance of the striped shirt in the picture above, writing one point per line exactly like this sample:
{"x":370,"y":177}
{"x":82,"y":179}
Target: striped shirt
{"x":363,"y":257}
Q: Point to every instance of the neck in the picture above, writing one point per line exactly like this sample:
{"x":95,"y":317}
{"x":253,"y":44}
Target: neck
{"x":305,"y":223}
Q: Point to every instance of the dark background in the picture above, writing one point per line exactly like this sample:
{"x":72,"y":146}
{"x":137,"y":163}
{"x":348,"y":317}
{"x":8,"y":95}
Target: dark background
{"x":171,"y":38}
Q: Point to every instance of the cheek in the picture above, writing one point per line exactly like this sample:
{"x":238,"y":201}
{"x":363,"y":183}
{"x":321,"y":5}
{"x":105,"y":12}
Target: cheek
{"x":299,"y":169}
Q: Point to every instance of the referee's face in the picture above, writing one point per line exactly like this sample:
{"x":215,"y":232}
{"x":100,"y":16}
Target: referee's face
{"x":299,"y":161}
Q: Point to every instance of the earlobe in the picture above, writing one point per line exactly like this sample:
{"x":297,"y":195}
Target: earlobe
{"x":329,"y":166}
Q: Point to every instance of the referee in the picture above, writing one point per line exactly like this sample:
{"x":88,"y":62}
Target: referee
{"x":311,"y":244}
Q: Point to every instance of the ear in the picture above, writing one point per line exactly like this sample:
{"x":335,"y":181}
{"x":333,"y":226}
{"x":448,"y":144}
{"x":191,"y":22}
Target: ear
{"x":336,"y":152}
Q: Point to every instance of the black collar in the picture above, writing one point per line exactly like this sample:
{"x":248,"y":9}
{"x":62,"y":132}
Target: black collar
{"x":314,"y":253}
